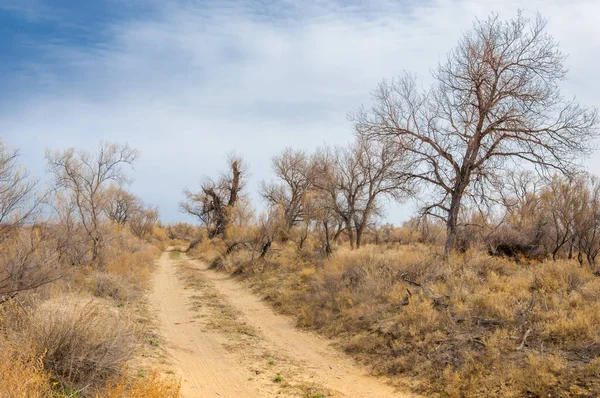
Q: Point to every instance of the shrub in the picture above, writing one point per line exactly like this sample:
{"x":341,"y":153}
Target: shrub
{"x":114,"y":286}
{"x":80,"y":344}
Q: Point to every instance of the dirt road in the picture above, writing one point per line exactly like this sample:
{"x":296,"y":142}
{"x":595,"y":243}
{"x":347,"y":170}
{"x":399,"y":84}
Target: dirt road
{"x":224,"y":342}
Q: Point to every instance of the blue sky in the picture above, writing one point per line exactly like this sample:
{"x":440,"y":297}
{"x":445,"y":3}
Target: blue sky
{"x":187,"y":82}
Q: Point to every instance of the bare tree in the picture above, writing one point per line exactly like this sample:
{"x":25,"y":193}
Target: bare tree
{"x":70,"y":238}
{"x":495,"y":103}
{"x":125,"y":208}
{"x":560,"y":201}
{"x":523,"y":225}
{"x":215,"y":203}
{"x":120,"y":205}
{"x":355,"y":178}
{"x":17,"y":196}
{"x":290,"y":168}
{"x":27,"y":261}
{"x":587,"y":220}
{"x":142,"y":221}
{"x":85,"y":176}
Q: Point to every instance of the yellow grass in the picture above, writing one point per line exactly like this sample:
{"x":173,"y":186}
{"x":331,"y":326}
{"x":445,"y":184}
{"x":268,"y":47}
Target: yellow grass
{"x":473,"y":326}
{"x":22,"y":372}
{"x":151,"y":386}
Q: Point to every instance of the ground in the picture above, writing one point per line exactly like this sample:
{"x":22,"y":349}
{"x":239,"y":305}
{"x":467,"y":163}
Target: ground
{"x":223,"y":341}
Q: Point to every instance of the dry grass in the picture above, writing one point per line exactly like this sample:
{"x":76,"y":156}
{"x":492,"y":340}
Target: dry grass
{"x":126,"y":276}
{"x":81,"y":344}
{"x":75,"y":336}
{"x":152,"y":386}
{"x":22,"y":372}
{"x":473,"y":326}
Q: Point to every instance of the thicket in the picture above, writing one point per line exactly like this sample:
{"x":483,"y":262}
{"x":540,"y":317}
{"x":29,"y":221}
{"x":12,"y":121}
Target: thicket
{"x":75,"y":260}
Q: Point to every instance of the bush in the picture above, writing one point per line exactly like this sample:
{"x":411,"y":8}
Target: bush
{"x":114,"y":286}
{"x":79,"y":344}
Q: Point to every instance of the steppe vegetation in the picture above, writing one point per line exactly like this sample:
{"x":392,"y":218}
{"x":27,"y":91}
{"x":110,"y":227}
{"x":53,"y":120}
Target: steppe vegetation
{"x":75,"y":261}
{"x":493,"y":288}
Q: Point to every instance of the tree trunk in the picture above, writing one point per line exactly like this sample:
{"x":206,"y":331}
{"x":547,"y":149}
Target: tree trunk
{"x":570,"y":251}
{"x":338,"y":232}
{"x":302,"y":240}
{"x":96,"y":249}
{"x":359,"y":234}
{"x":591,"y":259}
{"x":451,"y":224}
{"x":350,"y":232}
{"x":265,"y":249}
{"x":327,"y":241}
{"x":235,"y":184}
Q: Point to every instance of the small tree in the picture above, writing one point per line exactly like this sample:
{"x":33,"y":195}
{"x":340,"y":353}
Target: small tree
{"x":495,"y":105}
{"x":290,"y":168}
{"x":120,"y":205}
{"x":587,"y":220}
{"x":143,"y":220}
{"x":27,"y":260}
{"x":214,"y":204}
{"x":354,"y":179}
{"x":125,"y":208}
{"x":17,"y":191}
{"x":86,"y":176}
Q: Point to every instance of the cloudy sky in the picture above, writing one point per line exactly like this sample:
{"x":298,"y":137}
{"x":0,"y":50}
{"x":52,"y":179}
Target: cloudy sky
{"x":187,"y":82}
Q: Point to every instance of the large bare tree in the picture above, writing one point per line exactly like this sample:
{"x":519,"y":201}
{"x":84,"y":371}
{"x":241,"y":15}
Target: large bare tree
{"x":495,"y":104}
{"x":214,"y":204}
{"x":86,"y":177}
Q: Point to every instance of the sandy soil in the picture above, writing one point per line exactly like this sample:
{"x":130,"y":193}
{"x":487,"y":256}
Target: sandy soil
{"x":224,"y":342}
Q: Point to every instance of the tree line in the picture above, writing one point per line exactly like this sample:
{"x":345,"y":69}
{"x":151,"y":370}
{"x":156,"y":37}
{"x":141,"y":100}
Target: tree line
{"x":46,"y":230}
{"x":493,"y":111}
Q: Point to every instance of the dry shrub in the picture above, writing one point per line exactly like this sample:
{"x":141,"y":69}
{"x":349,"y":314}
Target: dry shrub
{"x":22,"y":372}
{"x":114,"y":286}
{"x":81,"y":344}
{"x":55,"y":338}
{"x":151,"y":386}
{"x":236,"y":262}
{"x":127,"y":270}
{"x":160,"y":238}
{"x":136,"y":266}
{"x":27,"y":261}
{"x":209,"y":250}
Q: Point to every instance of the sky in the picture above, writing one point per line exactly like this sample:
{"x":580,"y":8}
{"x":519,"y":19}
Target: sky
{"x":187,"y":82}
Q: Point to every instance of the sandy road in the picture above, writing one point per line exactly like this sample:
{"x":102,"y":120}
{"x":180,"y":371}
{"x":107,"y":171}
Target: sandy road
{"x":216,"y":359}
{"x":204,"y":365}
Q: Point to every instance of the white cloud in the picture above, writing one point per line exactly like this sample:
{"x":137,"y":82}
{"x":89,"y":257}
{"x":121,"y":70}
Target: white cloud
{"x":198,"y":81}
